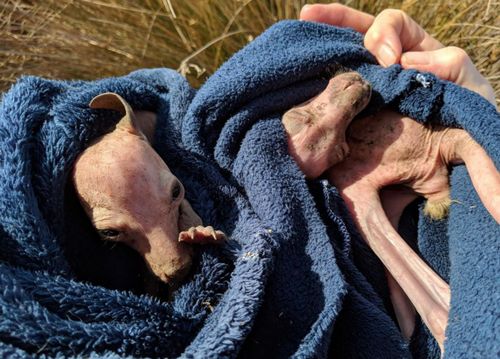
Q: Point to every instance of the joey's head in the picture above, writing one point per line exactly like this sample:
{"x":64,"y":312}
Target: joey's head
{"x":316,"y":129}
{"x":131,"y":196}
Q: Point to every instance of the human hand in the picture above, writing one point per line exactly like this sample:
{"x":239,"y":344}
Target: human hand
{"x":394,"y":37}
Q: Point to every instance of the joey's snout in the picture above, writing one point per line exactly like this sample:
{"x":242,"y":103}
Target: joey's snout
{"x":161,"y":216}
{"x":167,"y":258}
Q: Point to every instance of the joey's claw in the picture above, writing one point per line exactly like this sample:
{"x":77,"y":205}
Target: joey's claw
{"x":220,"y":236}
{"x":202,"y":235}
{"x":211,"y":232}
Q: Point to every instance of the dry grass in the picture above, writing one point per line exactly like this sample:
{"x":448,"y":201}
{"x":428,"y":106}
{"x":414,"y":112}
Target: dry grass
{"x":88,"y":39}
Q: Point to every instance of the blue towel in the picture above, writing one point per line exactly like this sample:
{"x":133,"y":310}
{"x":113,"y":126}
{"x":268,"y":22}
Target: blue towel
{"x":294,"y":279}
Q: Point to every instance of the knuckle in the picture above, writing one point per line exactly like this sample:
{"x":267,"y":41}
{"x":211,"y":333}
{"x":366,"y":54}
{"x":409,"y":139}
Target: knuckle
{"x":375,"y":34}
{"x":387,"y":21}
{"x":458,"y":56}
{"x":373,"y":37}
{"x":392,"y":13}
{"x":386,"y":12}
{"x":337,"y":7}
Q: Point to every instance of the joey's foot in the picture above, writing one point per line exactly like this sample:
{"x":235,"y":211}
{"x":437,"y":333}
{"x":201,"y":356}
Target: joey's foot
{"x":202,"y":235}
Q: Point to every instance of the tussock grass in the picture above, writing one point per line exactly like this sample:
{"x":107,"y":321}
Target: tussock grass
{"x":88,"y":39}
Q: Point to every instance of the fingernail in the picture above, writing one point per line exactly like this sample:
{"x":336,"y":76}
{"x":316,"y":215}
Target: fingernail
{"x":415,"y":58}
{"x":386,"y":55}
{"x":304,"y":8}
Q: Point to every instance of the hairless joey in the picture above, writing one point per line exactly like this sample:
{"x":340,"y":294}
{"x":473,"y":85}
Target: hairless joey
{"x":380,"y":163}
{"x":131,"y":196}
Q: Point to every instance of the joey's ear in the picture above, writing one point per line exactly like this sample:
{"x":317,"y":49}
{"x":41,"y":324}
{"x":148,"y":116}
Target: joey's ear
{"x":113,"y":101}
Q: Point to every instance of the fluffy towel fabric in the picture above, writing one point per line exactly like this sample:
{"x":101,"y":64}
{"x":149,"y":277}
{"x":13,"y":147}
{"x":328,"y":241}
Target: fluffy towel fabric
{"x":295,"y":279}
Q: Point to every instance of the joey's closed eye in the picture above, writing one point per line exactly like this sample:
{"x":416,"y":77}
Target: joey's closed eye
{"x":108,"y":233}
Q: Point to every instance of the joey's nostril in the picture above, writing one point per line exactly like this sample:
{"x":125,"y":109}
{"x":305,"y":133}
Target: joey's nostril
{"x":177,"y":190}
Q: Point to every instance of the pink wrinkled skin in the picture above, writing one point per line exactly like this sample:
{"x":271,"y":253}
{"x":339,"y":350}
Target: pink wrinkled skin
{"x":383,"y":150}
{"x":131,"y":196}
{"x":317,"y":128}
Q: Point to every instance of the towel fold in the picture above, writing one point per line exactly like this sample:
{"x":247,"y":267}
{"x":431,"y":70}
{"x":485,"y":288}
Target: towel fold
{"x":294,"y":279}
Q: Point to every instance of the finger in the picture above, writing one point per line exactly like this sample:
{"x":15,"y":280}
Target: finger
{"x":452,"y":64}
{"x":338,"y":15}
{"x":394,"y":32}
